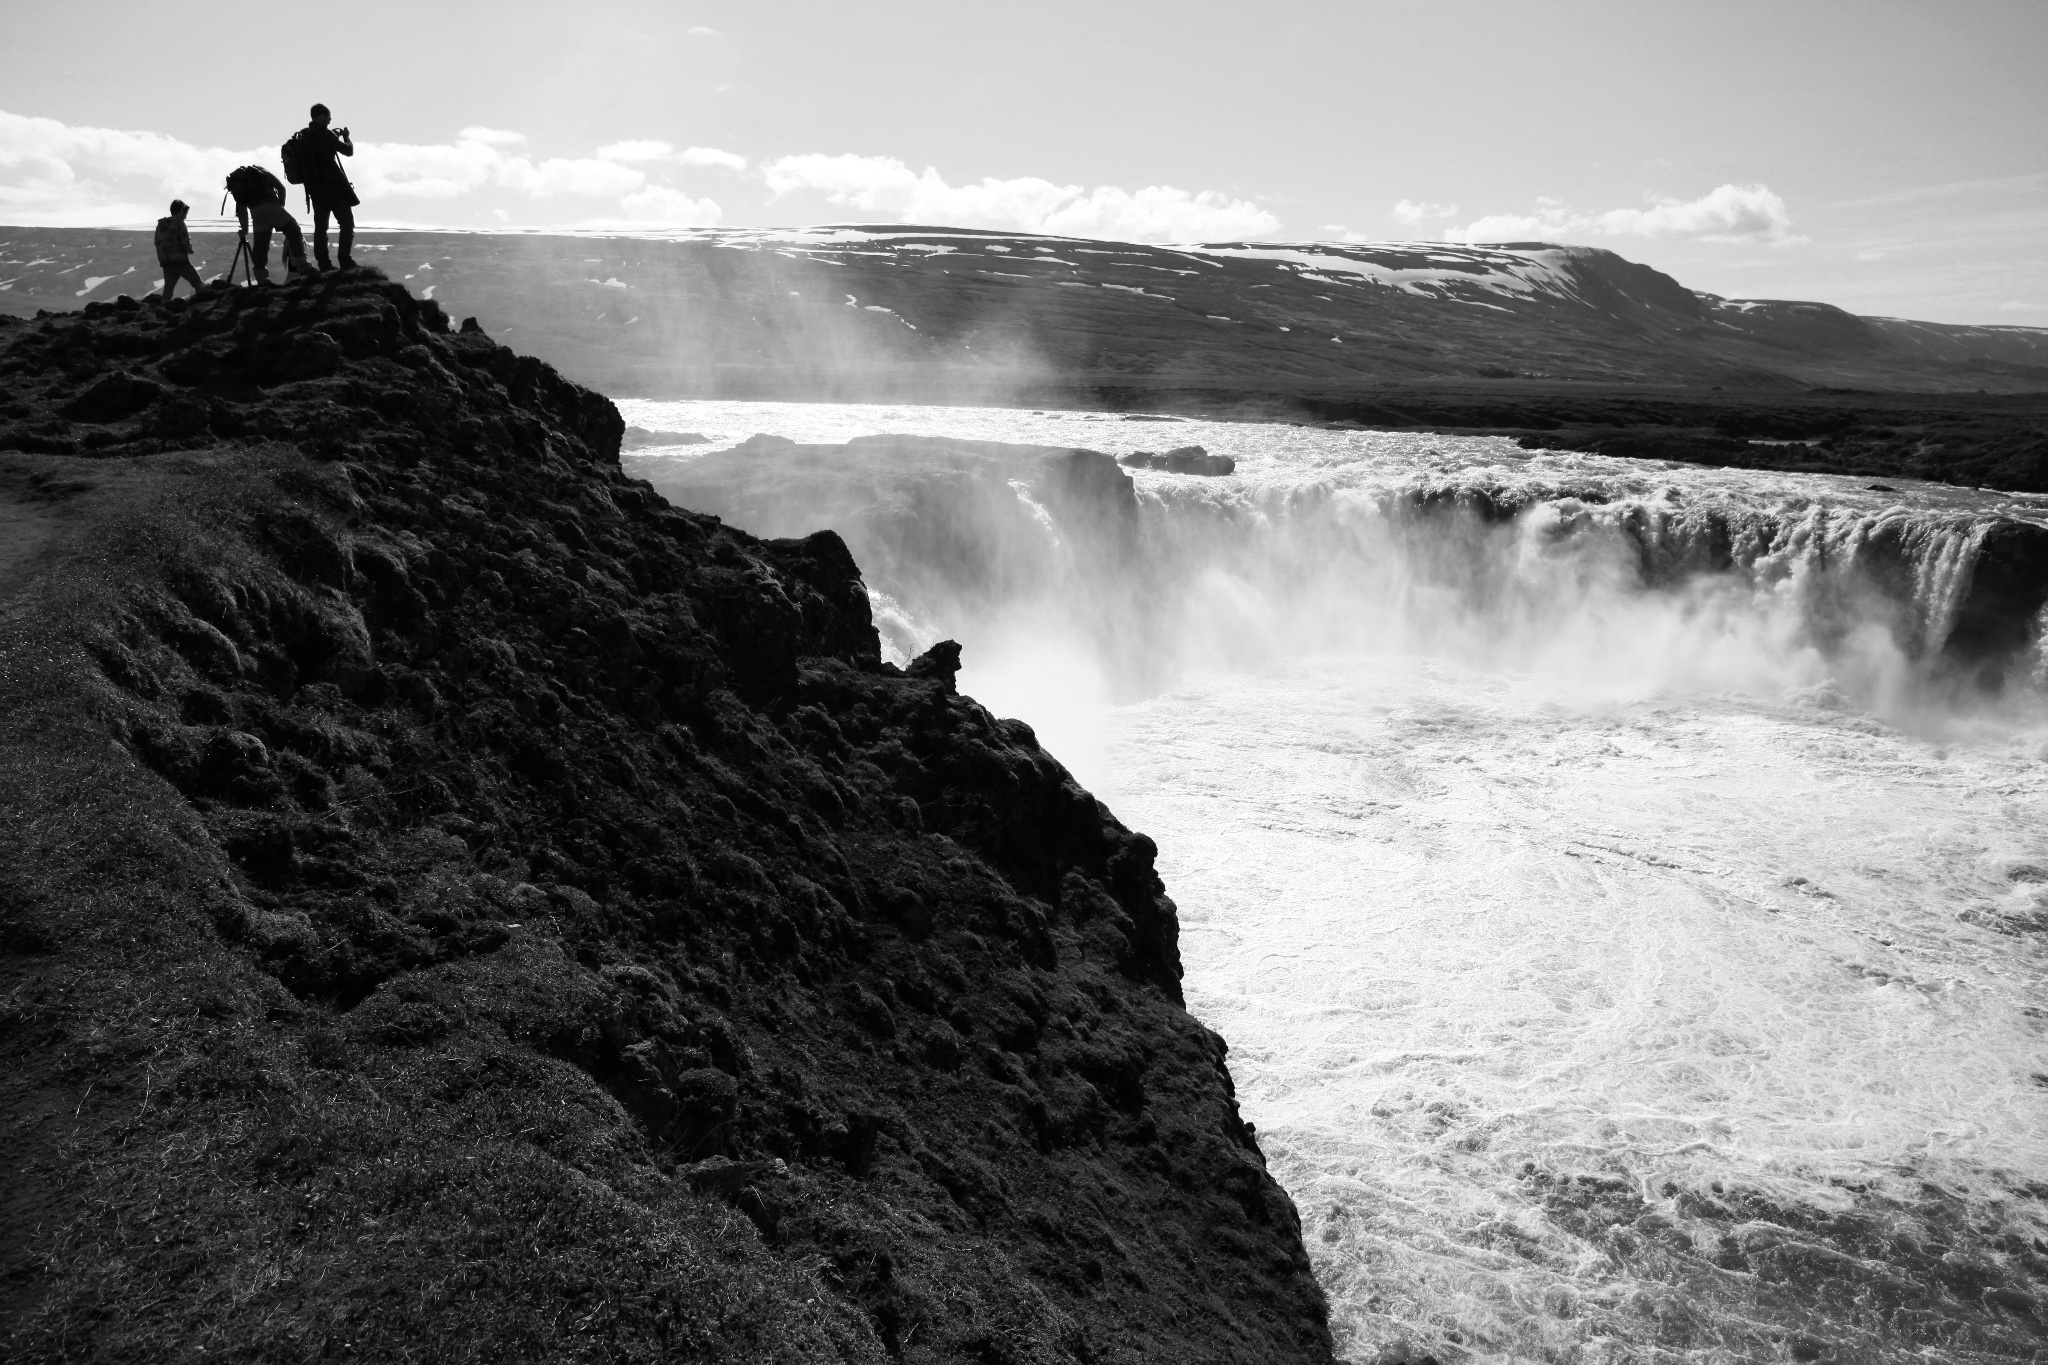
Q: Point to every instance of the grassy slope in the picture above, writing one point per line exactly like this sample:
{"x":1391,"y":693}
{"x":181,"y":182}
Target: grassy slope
{"x":201,"y":1163}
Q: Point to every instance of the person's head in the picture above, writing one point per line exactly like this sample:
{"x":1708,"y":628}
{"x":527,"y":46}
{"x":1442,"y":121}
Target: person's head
{"x":179,"y":208}
{"x":321,"y":118}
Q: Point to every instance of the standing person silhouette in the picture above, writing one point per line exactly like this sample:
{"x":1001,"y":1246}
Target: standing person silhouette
{"x":259,"y":198}
{"x":174,"y":250}
{"x":327,"y":184}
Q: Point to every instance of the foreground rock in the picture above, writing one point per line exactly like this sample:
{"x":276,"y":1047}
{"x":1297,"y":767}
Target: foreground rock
{"x":462,"y":908}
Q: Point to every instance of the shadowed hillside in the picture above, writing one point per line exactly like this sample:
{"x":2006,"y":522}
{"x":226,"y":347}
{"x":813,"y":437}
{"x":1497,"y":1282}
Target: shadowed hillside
{"x":461,"y":907}
{"x":955,"y":314}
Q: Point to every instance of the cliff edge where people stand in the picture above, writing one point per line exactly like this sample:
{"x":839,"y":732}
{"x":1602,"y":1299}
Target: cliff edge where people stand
{"x":461,"y":907}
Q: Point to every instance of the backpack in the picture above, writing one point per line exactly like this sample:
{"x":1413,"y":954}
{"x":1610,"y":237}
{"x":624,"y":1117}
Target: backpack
{"x":170,"y":242}
{"x":298,"y":160}
{"x":251,"y":184}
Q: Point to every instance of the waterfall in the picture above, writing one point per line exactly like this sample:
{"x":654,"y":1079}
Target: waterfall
{"x":1621,"y":884}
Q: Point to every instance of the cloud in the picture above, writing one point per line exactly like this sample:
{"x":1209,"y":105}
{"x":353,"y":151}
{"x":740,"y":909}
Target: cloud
{"x":711,"y":156}
{"x":54,"y":173}
{"x":2018,"y":307}
{"x":654,"y":151}
{"x":884,"y":185}
{"x":672,"y":208}
{"x":702,"y":32}
{"x":483,"y":158}
{"x":1727,"y":213}
{"x":1415,"y":213}
{"x":644,"y":150}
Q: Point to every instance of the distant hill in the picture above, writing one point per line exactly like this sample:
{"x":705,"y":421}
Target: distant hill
{"x":953,"y":313}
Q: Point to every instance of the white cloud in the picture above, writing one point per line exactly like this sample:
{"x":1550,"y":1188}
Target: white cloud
{"x":483,"y":158}
{"x":649,"y":151}
{"x":1727,"y":213}
{"x":2018,"y":307}
{"x":1417,"y":212}
{"x":702,"y":32}
{"x":52,"y":173}
{"x":671,"y":208}
{"x":586,"y":176}
{"x":644,"y":150}
{"x":711,"y":156}
{"x":884,"y":185}
{"x":1160,"y":213}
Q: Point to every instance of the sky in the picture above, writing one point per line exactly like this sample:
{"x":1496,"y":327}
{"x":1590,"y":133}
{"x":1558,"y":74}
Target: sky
{"x":1888,"y":157}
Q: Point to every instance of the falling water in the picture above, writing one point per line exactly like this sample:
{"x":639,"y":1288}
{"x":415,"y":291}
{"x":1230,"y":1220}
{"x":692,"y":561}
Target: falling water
{"x":1624,"y":887}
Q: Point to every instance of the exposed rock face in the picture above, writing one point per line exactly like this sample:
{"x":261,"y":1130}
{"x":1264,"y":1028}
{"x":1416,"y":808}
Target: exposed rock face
{"x":468,"y":909}
{"x":965,"y":528}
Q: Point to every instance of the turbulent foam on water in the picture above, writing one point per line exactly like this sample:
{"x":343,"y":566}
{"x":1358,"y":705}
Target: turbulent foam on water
{"x":1455,"y":923}
{"x":1630,"y":945}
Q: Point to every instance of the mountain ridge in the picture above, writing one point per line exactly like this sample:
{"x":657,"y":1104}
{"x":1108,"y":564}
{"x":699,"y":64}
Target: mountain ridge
{"x":891,"y":312}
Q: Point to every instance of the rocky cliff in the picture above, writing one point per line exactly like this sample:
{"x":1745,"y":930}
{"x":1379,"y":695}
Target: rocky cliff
{"x":460,"y":907}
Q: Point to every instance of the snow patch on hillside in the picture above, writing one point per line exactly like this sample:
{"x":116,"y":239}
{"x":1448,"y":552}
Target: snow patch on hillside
{"x":1430,"y":274}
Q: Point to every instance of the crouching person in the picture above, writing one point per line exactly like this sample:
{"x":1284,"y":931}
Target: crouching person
{"x":259,"y":199}
{"x":174,"y":249}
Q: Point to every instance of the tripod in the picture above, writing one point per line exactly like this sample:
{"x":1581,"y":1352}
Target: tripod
{"x":243,"y":259}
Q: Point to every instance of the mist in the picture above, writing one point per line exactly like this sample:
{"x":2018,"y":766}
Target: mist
{"x":1074,"y":586}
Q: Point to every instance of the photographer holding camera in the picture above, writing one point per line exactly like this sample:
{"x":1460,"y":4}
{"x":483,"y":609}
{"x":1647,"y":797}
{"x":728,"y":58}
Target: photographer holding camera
{"x":310,"y":158}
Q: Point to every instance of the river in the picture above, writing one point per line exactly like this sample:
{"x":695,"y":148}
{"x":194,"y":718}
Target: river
{"x":1629,"y":921}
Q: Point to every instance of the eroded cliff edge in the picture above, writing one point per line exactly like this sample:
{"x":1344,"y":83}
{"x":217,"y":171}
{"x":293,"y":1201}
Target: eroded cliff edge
{"x":463,"y":907}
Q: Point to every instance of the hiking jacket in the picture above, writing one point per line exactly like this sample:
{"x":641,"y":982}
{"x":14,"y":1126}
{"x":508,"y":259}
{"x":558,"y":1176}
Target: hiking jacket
{"x":173,"y":242}
{"x":325,"y":180}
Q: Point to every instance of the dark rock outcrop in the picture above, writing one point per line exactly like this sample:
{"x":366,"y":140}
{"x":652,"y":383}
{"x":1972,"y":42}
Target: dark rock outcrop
{"x":966,"y":527}
{"x":466,"y":908}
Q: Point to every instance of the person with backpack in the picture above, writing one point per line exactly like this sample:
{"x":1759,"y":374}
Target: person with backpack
{"x":174,"y":249}
{"x":259,"y":199}
{"x":310,"y":160}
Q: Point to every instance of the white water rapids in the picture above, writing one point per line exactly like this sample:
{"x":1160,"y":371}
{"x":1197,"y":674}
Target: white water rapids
{"x":1499,"y":866}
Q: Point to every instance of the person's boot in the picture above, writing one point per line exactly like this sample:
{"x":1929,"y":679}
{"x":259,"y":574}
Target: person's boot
{"x":348,"y":262}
